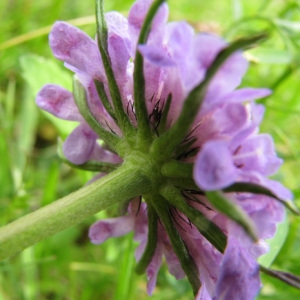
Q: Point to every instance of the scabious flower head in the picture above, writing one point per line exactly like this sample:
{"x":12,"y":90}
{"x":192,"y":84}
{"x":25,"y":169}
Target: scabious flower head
{"x":222,"y":147}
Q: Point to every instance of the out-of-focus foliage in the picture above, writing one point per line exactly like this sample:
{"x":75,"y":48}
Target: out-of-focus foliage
{"x":67,"y":266}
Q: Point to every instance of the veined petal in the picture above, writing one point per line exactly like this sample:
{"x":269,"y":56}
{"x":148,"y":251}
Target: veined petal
{"x":277,"y":188}
{"x":58,"y":102}
{"x":203,"y":293}
{"x":214,"y":168}
{"x":179,"y":36}
{"x":76,"y":49}
{"x":156,"y":55}
{"x":138,"y":13}
{"x":153,"y":268}
{"x":229,"y":75}
{"x":117,"y":24}
{"x":239,"y":278}
{"x":230,"y":118}
{"x":173,"y":263}
{"x":104,"y":229}
{"x":171,"y":259}
{"x":136,"y":18}
{"x":246,"y":94}
{"x":80,"y":144}
{"x":258,"y":154}
{"x":96,"y":106}
{"x":256,"y":113}
{"x":103,"y":155}
{"x":208,"y":260}
{"x":119,"y":57}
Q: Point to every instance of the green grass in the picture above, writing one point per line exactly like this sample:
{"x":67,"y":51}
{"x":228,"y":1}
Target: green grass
{"x":67,"y":266}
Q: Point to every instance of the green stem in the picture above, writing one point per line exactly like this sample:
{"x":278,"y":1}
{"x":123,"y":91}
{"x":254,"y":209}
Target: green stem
{"x":123,"y":184}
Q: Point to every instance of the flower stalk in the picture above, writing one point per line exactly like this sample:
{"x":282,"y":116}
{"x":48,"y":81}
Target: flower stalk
{"x":115,"y":188}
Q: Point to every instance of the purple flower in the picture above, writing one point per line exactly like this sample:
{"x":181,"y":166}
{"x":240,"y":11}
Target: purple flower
{"x":223,"y":145}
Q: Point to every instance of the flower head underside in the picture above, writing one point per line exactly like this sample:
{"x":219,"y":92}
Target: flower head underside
{"x":131,"y":95}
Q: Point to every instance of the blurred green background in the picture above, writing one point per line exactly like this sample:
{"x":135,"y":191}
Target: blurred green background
{"x":67,"y":266}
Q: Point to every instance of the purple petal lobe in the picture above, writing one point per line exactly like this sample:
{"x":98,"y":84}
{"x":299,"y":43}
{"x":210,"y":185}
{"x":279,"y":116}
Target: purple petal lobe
{"x":156,"y":55}
{"x":177,"y":35}
{"x":239,"y":278}
{"x":138,"y":13}
{"x":173,"y":263}
{"x":203,"y":294}
{"x":153,"y":268}
{"x":103,"y":155}
{"x":58,"y":102}
{"x":230,"y":118}
{"x":278,"y":189}
{"x":76,"y":49}
{"x":136,"y":18}
{"x":119,"y":56}
{"x":96,"y":105}
{"x":117,"y":24}
{"x":104,"y":229}
{"x":258,"y":154}
{"x":230,"y":74}
{"x":257,"y":112}
{"x":214,"y":168}
{"x":246,"y":94}
{"x":80,"y":144}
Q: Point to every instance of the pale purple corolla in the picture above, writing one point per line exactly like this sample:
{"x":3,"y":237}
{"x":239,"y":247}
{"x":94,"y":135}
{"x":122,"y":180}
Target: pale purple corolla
{"x":227,"y":146}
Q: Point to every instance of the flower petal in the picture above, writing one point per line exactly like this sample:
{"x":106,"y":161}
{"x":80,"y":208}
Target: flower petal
{"x":239,"y":277}
{"x":246,"y":94}
{"x":80,"y":144}
{"x":96,"y":106}
{"x":153,"y":268}
{"x":76,"y":49}
{"x":58,"y":102}
{"x":139,"y":11}
{"x":179,"y":36}
{"x":104,"y":229}
{"x":214,"y":168}
{"x":117,"y":24}
{"x":119,"y":57}
{"x":203,"y":293}
{"x":156,"y":55}
{"x":136,"y":18}
{"x":229,"y":75}
{"x":230,"y":118}
{"x":103,"y":155}
{"x":258,"y":154}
